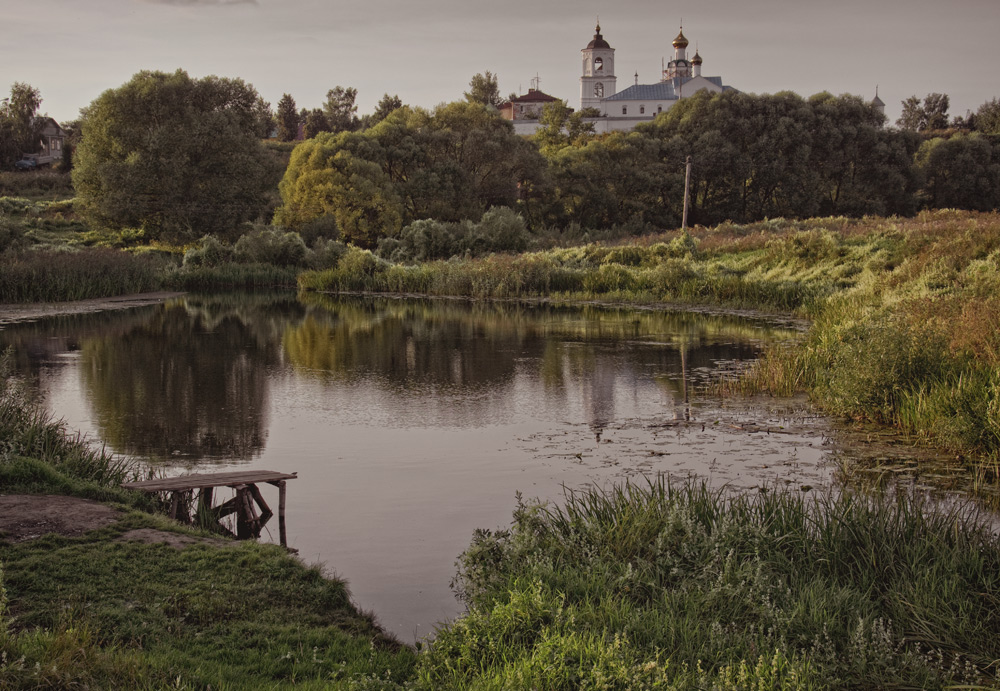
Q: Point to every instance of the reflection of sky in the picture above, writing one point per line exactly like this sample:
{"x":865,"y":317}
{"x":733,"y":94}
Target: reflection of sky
{"x":398,"y":466}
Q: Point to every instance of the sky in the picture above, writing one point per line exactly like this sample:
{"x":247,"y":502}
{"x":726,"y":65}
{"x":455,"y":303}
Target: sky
{"x":426,"y":51}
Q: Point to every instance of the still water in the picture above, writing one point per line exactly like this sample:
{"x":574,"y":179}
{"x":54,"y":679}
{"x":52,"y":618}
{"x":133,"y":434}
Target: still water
{"x":411,"y":423}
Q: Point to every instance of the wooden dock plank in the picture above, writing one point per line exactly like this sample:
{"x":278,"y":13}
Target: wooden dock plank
{"x":204,"y":480}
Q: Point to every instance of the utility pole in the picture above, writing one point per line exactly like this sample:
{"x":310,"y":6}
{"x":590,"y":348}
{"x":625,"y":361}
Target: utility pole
{"x":687,"y":184}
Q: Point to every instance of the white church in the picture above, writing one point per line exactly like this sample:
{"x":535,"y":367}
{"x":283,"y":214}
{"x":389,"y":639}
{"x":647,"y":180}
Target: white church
{"x":620,"y":110}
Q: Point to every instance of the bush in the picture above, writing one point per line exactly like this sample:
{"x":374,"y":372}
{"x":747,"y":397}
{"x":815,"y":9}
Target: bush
{"x":499,"y":230}
{"x":268,"y":245}
{"x":211,"y":253}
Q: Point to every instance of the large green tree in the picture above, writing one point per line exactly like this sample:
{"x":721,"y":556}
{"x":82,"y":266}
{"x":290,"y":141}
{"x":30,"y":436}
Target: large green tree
{"x":20,"y":129}
{"x":386,"y":105}
{"x":561,"y":126}
{"x":961,"y":172}
{"x":174,"y":156}
{"x":315,"y":123}
{"x":449,"y":165}
{"x":753,"y":157}
{"x":987,"y":118}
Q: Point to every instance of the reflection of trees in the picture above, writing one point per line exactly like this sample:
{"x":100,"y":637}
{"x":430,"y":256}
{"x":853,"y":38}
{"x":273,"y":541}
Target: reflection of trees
{"x":191,"y":376}
{"x":404,"y":343}
{"x":191,"y":380}
{"x":399,"y":344}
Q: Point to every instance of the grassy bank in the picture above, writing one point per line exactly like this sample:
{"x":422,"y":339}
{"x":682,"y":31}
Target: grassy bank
{"x":683,"y":588}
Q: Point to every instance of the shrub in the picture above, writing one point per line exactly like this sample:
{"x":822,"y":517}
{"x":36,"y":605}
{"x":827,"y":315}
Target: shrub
{"x":11,"y":234}
{"x":211,"y":253}
{"x":268,"y":245}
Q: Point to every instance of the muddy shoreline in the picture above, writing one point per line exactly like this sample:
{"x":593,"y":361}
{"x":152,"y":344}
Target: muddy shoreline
{"x":12,"y":313}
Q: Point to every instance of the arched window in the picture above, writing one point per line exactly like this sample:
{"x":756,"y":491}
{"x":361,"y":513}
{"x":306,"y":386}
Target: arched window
{"x":642,"y":110}
{"x":624,"y":110}
{"x":659,"y":108}
{"x":598,"y":65}
{"x":599,"y":90}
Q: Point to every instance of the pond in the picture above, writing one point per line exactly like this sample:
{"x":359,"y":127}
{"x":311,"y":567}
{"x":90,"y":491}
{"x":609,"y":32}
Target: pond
{"x":410,"y":422}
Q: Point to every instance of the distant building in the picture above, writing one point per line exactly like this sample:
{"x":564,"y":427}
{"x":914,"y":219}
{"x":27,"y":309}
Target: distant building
{"x":620,"y":110}
{"x":51,"y":142}
{"x":623,"y":110}
{"x":526,"y":107}
{"x":878,"y":104}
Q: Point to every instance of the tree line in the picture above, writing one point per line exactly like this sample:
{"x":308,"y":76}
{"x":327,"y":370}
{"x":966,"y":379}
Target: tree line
{"x":179,"y":157}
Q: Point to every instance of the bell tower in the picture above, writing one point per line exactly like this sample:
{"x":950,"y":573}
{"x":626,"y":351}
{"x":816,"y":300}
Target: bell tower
{"x":598,"y":80}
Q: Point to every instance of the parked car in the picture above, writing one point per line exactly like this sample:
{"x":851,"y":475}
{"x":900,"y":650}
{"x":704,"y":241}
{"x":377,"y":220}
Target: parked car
{"x":27,"y":163}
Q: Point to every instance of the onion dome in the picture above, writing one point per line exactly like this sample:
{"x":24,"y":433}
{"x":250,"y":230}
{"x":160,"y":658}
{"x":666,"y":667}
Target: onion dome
{"x":680,"y":41}
{"x":696,"y":60}
{"x":599,"y":41}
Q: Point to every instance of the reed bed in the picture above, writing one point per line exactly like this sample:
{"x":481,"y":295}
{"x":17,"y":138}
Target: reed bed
{"x":232,"y":276}
{"x":56,"y":276}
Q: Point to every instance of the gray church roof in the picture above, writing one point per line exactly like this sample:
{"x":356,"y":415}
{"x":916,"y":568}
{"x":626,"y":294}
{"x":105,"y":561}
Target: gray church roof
{"x":662,"y":91}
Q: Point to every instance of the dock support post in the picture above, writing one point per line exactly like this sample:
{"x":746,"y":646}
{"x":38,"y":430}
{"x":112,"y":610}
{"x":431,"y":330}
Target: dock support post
{"x":281,"y":513}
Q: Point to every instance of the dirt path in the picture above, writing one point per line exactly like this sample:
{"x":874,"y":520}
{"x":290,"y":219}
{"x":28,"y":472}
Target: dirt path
{"x":27,"y":312}
{"x":29,"y":516}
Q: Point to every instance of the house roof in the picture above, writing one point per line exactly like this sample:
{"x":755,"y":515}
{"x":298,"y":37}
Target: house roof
{"x":534,"y":96}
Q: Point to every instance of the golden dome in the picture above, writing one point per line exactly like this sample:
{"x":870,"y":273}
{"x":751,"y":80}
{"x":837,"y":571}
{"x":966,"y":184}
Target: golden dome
{"x":680,"y":41}
{"x":696,"y":60}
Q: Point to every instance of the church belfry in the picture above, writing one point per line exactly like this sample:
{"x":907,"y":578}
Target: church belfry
{"x":679,"y":66}
{"x":598,"y":78}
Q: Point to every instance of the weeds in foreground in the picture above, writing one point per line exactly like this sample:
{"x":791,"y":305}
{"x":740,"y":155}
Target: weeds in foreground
{"x":38,"y":455}
{"x":667,"y":587}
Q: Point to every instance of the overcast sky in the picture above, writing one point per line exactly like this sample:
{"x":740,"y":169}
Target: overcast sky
{"x":426,"y":51}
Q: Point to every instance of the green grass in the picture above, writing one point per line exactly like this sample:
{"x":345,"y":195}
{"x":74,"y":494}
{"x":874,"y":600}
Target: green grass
{"x":664,"y":587}
{"x":242,"y":616}
{"x":39,"y":185}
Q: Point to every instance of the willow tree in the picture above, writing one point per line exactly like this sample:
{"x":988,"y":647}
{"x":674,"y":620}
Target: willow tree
{"x":175,"y":157}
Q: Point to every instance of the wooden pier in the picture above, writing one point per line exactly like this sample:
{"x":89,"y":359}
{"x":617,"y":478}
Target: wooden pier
{"x":249,"y":522}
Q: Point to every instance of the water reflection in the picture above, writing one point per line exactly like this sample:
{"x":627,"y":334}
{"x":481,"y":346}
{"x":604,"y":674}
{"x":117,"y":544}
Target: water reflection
{"x":190,"y":378}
